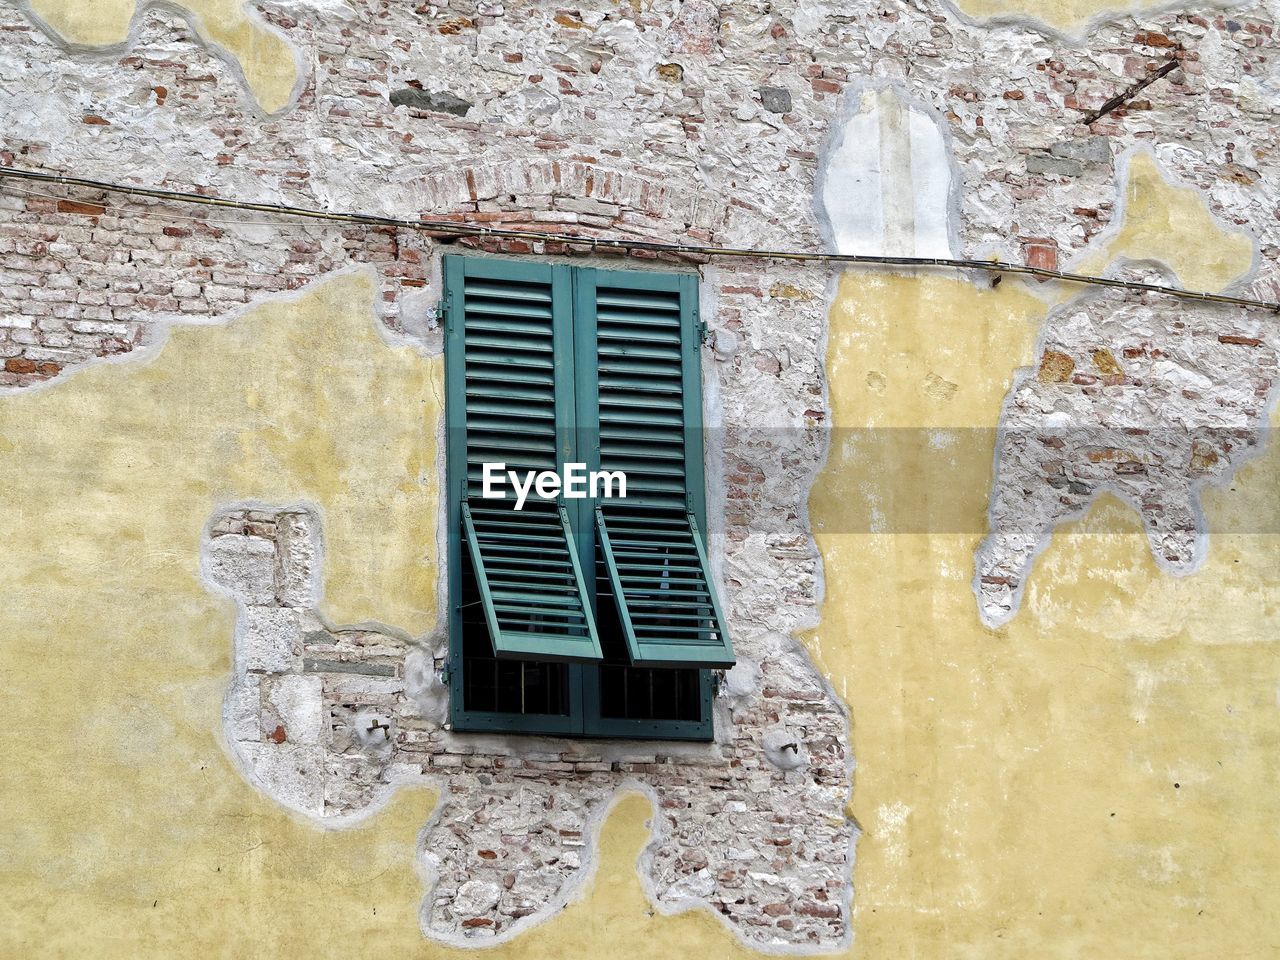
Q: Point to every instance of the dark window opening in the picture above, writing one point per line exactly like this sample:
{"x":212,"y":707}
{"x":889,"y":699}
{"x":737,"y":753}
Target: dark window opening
{"x":504,"y":686}
{"x":638,"y":693}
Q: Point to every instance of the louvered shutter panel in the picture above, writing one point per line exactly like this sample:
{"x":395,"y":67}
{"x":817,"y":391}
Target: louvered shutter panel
{"x":646,"y":394}
{"x":512,"y":402}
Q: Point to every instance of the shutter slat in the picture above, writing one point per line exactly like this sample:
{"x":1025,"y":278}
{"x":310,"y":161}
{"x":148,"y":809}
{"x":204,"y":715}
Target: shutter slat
{"x":500,"y":342}
{"x":620,"y":354}
{"x":520,"y":291}
{"x":664,"y":627}
{"x":625,"y":333}
{"x":655,"y":300}
{"x":563,"y":629}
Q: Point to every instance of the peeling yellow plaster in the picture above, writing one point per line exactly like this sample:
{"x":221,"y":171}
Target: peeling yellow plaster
{"x":1017,"y":786}
{"x":127,"y":831}
{"x":112,"y":473}
{"x":1173,"y":225}
{"x":264,"y":57}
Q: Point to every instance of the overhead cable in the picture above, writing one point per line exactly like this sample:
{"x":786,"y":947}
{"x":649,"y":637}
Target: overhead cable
{"x":459,"y":230}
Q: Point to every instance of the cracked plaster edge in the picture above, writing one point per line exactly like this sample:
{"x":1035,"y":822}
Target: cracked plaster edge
{"x":316,"y":514}
{"x":575,"y":888}
{"x":581,"y":882}
{"x":1056,"y":293}
{"x":1195,"y":488}
{"x":1115,"y":227}
{"x":193,"y":20}
{"x":671,"y":908}
{"x":1116,"y":266}
{"x":384,"y":793}
{"x":158,"y":327}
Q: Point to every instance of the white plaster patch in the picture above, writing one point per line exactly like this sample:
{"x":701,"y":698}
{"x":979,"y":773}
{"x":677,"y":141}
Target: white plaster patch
{"x":265,"y":637}
{"x":886,"y":184}
{"x":291,"y":774}
{"x":244,"y":567}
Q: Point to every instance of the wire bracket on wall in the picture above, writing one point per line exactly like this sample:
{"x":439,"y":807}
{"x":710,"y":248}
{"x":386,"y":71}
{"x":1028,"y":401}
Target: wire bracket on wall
{"x":1134,"y":89}
{"x":446,"y":230}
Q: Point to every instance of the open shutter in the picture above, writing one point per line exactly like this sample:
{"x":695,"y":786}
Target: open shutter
{"x":512,"y":402}
{"x":647,"y":396}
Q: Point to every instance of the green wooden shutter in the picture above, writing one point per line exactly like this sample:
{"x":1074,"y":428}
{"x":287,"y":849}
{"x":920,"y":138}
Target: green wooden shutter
{"x":511,"y":401}
{"x":646,"y":395}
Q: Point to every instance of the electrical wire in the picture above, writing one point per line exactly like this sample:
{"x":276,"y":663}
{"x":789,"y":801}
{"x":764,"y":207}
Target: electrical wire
{"x":119,"y":213}
{"x":459,"y":230}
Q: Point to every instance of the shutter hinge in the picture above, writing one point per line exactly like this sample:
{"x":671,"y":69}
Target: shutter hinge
{"x":704,"y":335}
{"x":445,"y":673}
{"x":442,"y":310}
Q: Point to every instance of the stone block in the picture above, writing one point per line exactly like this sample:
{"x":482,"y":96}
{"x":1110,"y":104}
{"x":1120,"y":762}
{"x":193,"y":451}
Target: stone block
{"x":242,"y":566}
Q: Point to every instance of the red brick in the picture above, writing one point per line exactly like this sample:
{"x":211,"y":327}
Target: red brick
{"x":76,"y":206}
{"x":829,"y":910}
{"x":1042,"y":256}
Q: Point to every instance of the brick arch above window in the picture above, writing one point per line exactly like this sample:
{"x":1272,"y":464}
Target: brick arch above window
{"x":574,"y":196}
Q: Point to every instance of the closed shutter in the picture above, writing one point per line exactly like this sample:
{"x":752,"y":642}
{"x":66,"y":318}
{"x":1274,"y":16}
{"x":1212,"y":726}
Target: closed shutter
{"x":644,"y":391}
{"x":511,"y":401}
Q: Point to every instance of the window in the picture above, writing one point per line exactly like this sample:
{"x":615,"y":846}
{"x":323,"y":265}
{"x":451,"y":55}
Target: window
{"x":591,"y":616}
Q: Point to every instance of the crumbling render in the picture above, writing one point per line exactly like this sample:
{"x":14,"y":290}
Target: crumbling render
{"x":329,"y":721}
{"x":1139,"y":399}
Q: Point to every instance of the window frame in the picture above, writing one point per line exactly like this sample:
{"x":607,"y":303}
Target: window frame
{"x":574,"y":349}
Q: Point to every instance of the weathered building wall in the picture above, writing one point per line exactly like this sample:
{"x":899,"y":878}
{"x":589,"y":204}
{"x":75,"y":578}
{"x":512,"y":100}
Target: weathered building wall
{"x":221,"y":483}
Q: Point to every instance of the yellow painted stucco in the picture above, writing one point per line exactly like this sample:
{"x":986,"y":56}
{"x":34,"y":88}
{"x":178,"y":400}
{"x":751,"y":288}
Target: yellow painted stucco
{"x":1170,"y":224}
{"x":263,"y":56}
{"x":1098,"y":778}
